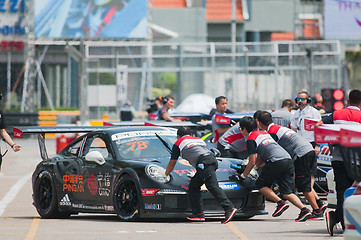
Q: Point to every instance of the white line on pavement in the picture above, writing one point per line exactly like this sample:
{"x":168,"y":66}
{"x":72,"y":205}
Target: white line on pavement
{"x":11,"y":194}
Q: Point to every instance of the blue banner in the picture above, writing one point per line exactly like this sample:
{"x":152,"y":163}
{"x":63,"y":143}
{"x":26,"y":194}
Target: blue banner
{"x":90,"y":18}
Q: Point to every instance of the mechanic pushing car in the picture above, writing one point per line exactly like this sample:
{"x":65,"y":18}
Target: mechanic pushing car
{"x":195,"y":151}
{"x":4,"y":135}
{"x":233,"y":144}
{"x":278,"y":166}
{"x":349,"y":115}
{"x":303,"y":155}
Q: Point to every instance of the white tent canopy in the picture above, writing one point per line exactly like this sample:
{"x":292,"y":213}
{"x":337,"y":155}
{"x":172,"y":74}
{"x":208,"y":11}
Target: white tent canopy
{"x":196,"y":103}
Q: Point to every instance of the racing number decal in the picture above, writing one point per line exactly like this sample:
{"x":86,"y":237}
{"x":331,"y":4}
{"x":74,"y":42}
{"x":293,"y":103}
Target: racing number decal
{"x":139,"y":144}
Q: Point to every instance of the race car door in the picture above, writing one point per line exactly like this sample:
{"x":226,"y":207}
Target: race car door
{"x":98,"y":174}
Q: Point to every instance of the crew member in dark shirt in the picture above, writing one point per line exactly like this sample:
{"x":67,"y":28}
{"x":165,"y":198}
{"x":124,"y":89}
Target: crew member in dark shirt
{"x":168,"y":103}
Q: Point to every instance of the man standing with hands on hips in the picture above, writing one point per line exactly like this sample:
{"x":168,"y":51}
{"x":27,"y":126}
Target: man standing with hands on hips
{"x":4,"y":135}
{"x":195,"y":151}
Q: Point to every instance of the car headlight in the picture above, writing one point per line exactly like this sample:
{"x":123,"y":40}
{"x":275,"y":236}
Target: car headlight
{"x":156,"y":173}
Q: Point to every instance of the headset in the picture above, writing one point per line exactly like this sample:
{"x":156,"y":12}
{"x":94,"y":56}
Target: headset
{"x":309,"y":100}
{"x":164,"y":100}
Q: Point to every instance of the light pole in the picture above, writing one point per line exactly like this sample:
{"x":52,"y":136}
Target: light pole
{"x":233,"y":39}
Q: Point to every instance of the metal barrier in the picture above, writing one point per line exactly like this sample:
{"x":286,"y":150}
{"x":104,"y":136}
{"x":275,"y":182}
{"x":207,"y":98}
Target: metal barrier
{"x":252,"y":76}
{"x":101,"y":75}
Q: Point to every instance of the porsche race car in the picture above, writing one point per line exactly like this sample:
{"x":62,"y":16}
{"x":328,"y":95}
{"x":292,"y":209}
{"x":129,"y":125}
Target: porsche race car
{"x":120,"y":170}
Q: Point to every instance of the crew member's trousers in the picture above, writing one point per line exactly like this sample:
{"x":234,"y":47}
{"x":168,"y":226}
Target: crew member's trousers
{"x":343,"y":181}
{"x":206,"y":176}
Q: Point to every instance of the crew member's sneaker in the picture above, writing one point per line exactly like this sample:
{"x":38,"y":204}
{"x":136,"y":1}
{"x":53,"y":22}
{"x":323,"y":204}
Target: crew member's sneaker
{"x":317,"y":214}
{"x":229,"y":215}
{"x":280,"y":208}
{"x":197,"y":217}
{"x":304,"y":215}
{"x":321,"y":205}
{"x":330,"y":222}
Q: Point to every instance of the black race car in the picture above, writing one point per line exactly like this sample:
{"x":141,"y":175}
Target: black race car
{"x":120,"y":170}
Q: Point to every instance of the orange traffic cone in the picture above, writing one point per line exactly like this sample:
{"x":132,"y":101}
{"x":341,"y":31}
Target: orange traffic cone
{"x":62,"y":143}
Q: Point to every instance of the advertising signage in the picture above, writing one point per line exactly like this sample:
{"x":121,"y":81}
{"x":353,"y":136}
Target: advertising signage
{"x":90,"y":18}
{"x":12,"y":15}
{"x":342,"y":19}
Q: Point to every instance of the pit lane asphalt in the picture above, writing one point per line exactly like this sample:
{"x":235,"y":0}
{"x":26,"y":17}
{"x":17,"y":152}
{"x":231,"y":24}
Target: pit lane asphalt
{"x":19,"y":219}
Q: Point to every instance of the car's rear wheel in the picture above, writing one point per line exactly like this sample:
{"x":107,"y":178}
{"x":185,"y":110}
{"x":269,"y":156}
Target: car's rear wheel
{"x":126,"y":199}
{"x":45,"y":197}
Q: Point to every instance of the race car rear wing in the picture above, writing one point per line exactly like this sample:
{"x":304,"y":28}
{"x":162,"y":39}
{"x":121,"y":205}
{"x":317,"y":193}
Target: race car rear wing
{"x":124,"y":123}
{"x":199,"y":128}
{"x":20,"y":131}
{"x":158,"y":123}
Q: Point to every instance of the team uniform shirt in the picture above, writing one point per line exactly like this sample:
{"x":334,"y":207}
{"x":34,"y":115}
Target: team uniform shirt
{"x":298,"y":121}
{"x":294,"y":144}
{"x":160,"y":113}
{"x":233,"y":139}
{"x":261,"y":143}
{"x":350,"y":115}
{"x":189,"y":148}
{"x":215,"y":126}
{"x":282,"y":117}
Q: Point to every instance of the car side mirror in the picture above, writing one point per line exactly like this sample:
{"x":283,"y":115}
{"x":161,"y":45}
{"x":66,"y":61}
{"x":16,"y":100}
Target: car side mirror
{"x":216,"y":152}
{"x":95,"y":156}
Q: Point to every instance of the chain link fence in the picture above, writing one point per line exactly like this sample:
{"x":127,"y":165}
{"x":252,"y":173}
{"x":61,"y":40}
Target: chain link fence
{"x":251,"y":75}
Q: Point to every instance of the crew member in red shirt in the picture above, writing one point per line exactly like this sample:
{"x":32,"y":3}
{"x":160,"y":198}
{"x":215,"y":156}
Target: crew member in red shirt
{"x":349,"y":115}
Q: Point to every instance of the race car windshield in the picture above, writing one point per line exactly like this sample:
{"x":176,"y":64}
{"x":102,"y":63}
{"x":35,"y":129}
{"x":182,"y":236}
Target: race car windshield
{"x":144,"y":146}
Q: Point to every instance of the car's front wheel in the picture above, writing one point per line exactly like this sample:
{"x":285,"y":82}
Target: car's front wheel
{"x":126,"y":199}
{"x":45,"y":197}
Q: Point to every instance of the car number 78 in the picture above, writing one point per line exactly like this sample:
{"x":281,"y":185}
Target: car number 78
{"x":138,"y":144}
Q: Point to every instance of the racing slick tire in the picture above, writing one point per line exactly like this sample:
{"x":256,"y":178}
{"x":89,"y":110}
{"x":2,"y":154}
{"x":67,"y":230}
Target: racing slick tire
{"x":45,"y":197}
{"x":127,"y":198}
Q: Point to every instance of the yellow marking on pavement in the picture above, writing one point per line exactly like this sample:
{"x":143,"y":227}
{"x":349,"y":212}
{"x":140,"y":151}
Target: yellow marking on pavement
{"x":33,"y":228}
{"x":236,"y":231}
